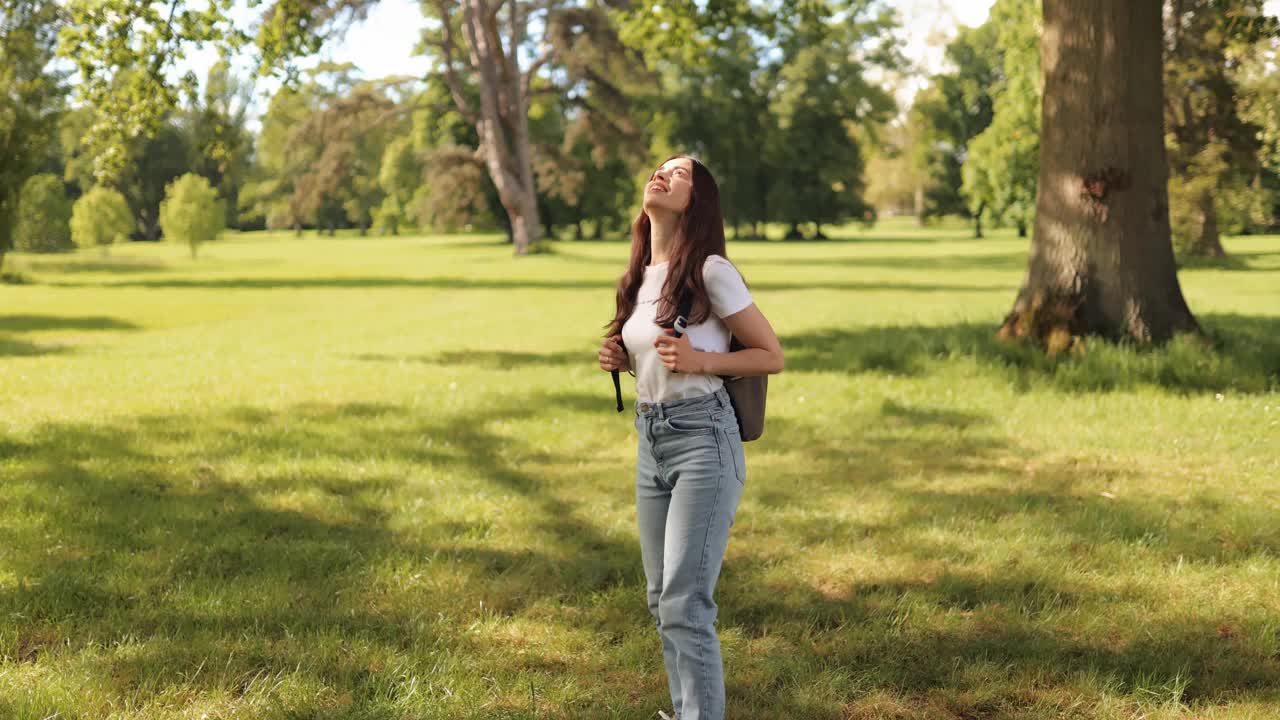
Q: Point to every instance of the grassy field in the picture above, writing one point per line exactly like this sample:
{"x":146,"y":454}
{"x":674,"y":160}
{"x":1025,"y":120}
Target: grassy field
{"x":382,"y":478}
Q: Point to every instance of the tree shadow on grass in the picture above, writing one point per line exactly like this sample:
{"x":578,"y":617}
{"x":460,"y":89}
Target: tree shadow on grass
{"x":975,"y":542}
{"x":1243,"y":355}
{"x":487,"y":359}
{"x":257,"y":542}
{"x":923,"y":287}
{"x":189,"y":535}
{"x":1245,"y":261}
{"x":82,"y":264}
{"x":36,"y":323}
{"x":21,"y":348}
{"x":456,"y":283}
{"x":355,"y":282}
{"x":11,"y":325}
{"x":1012,"y":261}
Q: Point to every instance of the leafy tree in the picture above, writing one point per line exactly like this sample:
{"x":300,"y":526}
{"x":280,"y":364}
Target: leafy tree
{"x":31,"y":98}
{"x":124,"y":51}
{"x":455,"y":189}
{"x":1212,"y":149}
{"x":1260,"y":106}
{"x":100,"y":217}
{"x":221,"y":141}
{"x":824,"y":105}
{"x":321,"y":151}
{"x":950,"y":112}
{"x":77,"y":162}
{"x":399,"y":176}
{"x":342,"y":182}
{"x":455,"y":193}
{"x":721,"y":108}
{"x":155,"y":161}
{"x":999,"y":174}
{"x":479,"y":53}
{"x":773,"y":97}
{"x":44,"y":216}
{"x":493,"y":56}
{"x":192,"y":212}
{"x":268,"y":193}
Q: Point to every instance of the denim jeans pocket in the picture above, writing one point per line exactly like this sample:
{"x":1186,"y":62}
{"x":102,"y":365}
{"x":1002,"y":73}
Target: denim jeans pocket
{"x":734,"y":458}
{"x":691,"y":423}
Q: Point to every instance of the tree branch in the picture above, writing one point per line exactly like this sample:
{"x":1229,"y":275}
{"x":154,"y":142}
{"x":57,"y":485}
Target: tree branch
{"x":517,"y":24}
{"x":165,"y":36}
{"x":526,"y":82}
{"x":448,"y":46}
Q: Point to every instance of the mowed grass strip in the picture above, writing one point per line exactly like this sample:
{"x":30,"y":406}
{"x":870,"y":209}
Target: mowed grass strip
{"x":382,"y":478}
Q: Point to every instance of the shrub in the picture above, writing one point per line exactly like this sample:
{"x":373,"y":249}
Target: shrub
{"x":191,"y":211}
{"x":100,"y":217}
{"x":43,"y":222}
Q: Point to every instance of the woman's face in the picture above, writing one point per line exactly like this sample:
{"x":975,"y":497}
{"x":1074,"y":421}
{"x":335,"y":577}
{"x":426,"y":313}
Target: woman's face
{"x":670,"y":186}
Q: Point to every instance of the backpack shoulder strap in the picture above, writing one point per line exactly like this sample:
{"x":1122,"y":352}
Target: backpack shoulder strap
{"x":685,"y":308}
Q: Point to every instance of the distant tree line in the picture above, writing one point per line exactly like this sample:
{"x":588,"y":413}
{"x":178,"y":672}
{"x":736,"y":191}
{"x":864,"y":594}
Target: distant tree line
{"x":775,"y":97}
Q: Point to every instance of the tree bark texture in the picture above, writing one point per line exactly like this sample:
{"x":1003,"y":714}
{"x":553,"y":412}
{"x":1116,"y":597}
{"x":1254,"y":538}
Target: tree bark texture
{"x":502,"y":120}
{"x":1101,"y":255}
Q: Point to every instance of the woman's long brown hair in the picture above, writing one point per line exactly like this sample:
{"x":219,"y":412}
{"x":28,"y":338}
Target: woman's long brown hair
{"x":701,"y":235}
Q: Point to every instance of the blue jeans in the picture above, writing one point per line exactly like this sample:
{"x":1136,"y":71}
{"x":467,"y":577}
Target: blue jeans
{"x":690,"y":475}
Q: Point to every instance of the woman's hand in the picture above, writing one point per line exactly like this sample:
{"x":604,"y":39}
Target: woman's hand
{"x":612,"y":355}
{"x":677,"y":354}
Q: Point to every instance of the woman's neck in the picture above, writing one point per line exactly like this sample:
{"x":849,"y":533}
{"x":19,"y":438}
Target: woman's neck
{"x":664,"y":229}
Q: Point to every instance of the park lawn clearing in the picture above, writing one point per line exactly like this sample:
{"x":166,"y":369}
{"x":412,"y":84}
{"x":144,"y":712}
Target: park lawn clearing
{"x":382,"y":477}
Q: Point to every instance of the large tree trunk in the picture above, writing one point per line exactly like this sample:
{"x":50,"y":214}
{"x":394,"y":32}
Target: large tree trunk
{"x":1101,"y":256}
{"x":502,"y":120}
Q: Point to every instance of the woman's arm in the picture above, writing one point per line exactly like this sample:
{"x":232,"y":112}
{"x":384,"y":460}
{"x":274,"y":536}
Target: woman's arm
{"x":762,"y":354}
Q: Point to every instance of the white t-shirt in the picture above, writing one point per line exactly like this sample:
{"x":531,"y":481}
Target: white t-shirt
{"x":654,"y":382}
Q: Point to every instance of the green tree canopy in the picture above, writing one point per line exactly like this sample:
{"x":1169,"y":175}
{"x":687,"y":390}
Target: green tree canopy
{"x":31,"y":98}
{"x":954,"y":108}
{"x":1213,"y":149}
{"x":1003,"y":163}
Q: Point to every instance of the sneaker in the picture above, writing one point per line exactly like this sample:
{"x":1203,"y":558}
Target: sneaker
{"x":665,"y":716}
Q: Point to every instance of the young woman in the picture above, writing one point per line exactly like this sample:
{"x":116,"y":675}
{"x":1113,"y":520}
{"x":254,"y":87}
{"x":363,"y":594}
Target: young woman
{"x":690,"y":471}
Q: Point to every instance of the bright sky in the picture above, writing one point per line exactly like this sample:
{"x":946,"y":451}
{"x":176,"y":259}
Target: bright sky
{"x":383,"y":44}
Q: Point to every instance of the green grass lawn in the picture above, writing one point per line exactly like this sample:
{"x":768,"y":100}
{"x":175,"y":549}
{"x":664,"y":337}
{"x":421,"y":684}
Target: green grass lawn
{"x":383,"y":478}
